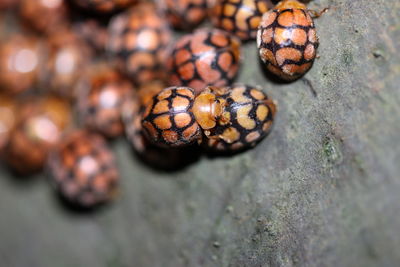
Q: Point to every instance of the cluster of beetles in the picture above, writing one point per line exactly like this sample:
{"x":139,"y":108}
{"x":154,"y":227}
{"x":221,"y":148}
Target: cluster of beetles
{"x":76,"y":74}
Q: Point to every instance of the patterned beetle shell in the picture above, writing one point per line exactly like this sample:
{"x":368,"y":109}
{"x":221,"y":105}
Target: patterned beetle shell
{"x":100,"y":102}
{"x":168,"y":119}
{"x":104,"y":6}
{"x":8,"y":4}
{"x":83,"y":169}
{"x":20,"y":61}
{"x":138,"y":40}
{"x":245,"y":118}
{"x":39,"y":126}
{"x":206,"y":57}
{"x":44,"y":16}
{"x":239,"y":17}
{"x":287,"y":41}
{"x":185,"y":14}
{"x":94,"y":32}
{"x":67,"y":60}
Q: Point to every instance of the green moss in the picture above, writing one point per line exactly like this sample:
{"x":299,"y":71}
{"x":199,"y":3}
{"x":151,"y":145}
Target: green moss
{"x":347,"y":57}
{"x":332,"y":151}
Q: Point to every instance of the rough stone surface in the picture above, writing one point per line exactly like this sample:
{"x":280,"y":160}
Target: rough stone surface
{"x":321,"y":190}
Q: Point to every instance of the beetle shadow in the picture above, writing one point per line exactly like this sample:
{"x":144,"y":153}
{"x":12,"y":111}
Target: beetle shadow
{"x":77,"y":210}
{"x":213,"y":154}
{"x":168,"y":160}
{"x":77,"y":13}
{"x":20,"y":179}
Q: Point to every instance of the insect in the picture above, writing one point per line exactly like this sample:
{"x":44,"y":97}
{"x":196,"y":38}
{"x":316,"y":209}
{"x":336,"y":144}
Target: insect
{"x":83,"y":170}
{"x":44,"y":16}
{"x":287,"y":40}
{"x":68,"y":58}
{"x":40,"y":125}
{"x":206,"y":57}
{"x":239,"y":17}
{"x":231,"y":118}
{"x":104,"y":6}
{"x":138,"y":40}
{"x":165,"y":158}
{"x":101,"y":99}
{"x":168,"y":119}
{"x":93,"y":32}
{"x":6,"y":4}
{"x":185,"y":14}
{"x":20,"y":60}
{"x":234,"y":117}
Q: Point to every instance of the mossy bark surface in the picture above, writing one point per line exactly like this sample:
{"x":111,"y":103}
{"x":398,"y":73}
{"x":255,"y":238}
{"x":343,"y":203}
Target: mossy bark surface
{"x":323,"y":189}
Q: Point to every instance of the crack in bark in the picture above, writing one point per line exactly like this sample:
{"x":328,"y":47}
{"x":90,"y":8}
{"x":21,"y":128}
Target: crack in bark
{"x":310,"y":86}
